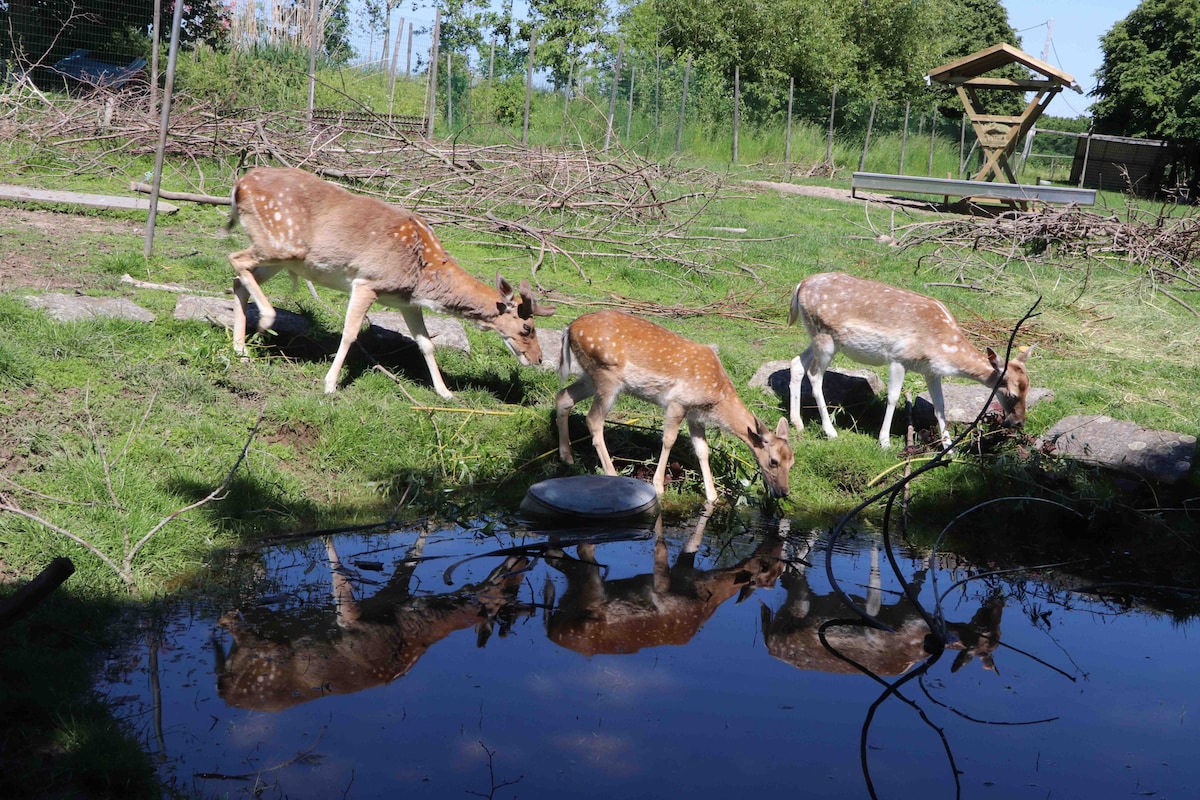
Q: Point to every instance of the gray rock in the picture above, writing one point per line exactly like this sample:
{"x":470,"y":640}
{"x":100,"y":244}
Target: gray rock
{"x":852,"y":387}
{"x":219,"y":311}
{"x":444,"y":331}
{"x":1158,"y":456}
{"x":551,"y":342}
{"x":964,"y":402}
{"x":77,"y":307}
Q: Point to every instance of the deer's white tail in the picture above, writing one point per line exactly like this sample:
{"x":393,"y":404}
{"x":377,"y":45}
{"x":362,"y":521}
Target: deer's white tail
{"x":565,"y":362}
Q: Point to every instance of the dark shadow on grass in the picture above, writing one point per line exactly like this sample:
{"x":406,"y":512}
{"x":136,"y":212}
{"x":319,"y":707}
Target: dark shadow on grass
{"x":397,"y":354}
{"x":58,"y":739}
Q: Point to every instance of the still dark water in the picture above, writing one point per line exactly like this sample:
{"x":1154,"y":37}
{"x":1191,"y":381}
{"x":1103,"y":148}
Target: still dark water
{"x":699,"y":662}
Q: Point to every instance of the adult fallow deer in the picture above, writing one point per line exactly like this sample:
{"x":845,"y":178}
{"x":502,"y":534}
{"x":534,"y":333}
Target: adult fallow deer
{"x":618,"y":352}
{"x":377,"y":252}
{"x":876,"y":324}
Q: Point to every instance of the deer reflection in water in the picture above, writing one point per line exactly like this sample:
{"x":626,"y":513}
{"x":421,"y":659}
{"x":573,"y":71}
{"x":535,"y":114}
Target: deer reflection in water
{"x":665,"y":606}
{"x":793,"y":633}
{"x":288,"y":660}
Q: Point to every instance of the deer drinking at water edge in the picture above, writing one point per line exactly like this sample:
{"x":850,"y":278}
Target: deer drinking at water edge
{"x":321,"y":232}
{"x":618,"y":352}
{"x":876,"y":324}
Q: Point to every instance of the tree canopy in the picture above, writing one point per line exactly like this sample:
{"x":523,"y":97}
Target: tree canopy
{"x":880,"y":50}
{"x":1149,"y":81}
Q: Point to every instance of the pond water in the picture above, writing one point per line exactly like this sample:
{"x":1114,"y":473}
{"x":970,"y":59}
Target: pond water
{"x":702,"y":660}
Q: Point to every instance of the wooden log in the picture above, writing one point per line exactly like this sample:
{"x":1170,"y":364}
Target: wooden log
{"x":146,"y":188}
{"x":35,"y":592}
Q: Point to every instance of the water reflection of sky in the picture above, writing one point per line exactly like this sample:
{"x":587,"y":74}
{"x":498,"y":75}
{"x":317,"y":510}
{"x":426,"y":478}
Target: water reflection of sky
{"x":729,"y":712}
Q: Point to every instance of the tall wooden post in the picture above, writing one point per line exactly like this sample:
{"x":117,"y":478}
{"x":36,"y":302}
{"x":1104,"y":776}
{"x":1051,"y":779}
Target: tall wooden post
{"x":528,"y":88}
{"x":431,"y":83}
{"x":787,"y":139}
{"x":687,"y":73}
{"x":829,"y":132}
{"x":163,"y":126}
{"x":737,"y":104}
{"x":612,"y":95}
{"x":862,"y":160}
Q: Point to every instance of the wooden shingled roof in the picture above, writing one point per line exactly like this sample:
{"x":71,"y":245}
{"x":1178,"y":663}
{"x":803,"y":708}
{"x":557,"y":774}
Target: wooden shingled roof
{"x":970,"y":70}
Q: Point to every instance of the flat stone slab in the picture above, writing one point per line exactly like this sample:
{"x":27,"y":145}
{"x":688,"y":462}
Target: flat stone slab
{"x":964,"y":402}
{"x":1158,"y":456}
{"x":219,"y":311}
{"x":551,"y":342}
{"x":445,"y":331}
{"x":852,"y":387}
{"x":77,"y":307}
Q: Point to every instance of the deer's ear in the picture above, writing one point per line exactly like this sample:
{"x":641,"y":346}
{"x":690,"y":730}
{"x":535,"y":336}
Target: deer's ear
{"x":756,"y":433}
{"x":781,"y":430}
{"x":994,"y":359}
{"x":525,"y":308}
{"x":504,"y":288}
{"x":1024,"y":354}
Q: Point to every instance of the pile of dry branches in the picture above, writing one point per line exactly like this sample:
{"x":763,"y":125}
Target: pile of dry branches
{"x":563,"y":203}
{"x":1161,"y":247}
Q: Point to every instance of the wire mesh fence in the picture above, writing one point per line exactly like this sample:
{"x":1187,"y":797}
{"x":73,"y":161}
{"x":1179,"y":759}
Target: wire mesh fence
{"x":637,"y":99}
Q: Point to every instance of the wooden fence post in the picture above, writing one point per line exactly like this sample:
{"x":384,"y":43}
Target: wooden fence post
{"x":932,"y":138}
{"x":528,"y":88}
{"x":829,"y":133}
{"x":629,"y":113}
{"x":408,"y":60}
{"x":862,"y":160}
{"x":431,"y":83}
{"x":787,"y":140}
{"x":393,"y":70}
{"x":904,"y":136}
{"x":737,"y":102}
{"x":612,"y":95}
{"x":687,"y":73}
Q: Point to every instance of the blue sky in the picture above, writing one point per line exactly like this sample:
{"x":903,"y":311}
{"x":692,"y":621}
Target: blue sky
{"x":1074,"y":40}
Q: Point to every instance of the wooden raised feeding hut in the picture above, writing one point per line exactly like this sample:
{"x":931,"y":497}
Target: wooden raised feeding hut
{"x":998,"y":134}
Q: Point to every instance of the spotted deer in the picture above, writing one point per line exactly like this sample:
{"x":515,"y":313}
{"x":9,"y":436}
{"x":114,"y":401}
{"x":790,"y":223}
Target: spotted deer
{"x":279,"y":659}
{"x":877,"y":324}
{"x":818,"y":632}
{"x":323,"y":233}
{"x":618,"y":352}
{"x":667,"y":606}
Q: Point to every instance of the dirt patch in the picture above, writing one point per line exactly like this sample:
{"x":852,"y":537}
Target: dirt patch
{"x":843,"y":194}
{"x":39,"y":249}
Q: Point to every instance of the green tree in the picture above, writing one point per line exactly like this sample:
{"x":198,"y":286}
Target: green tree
{"x":567,"y":31}
{"x":1149,"y":81}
